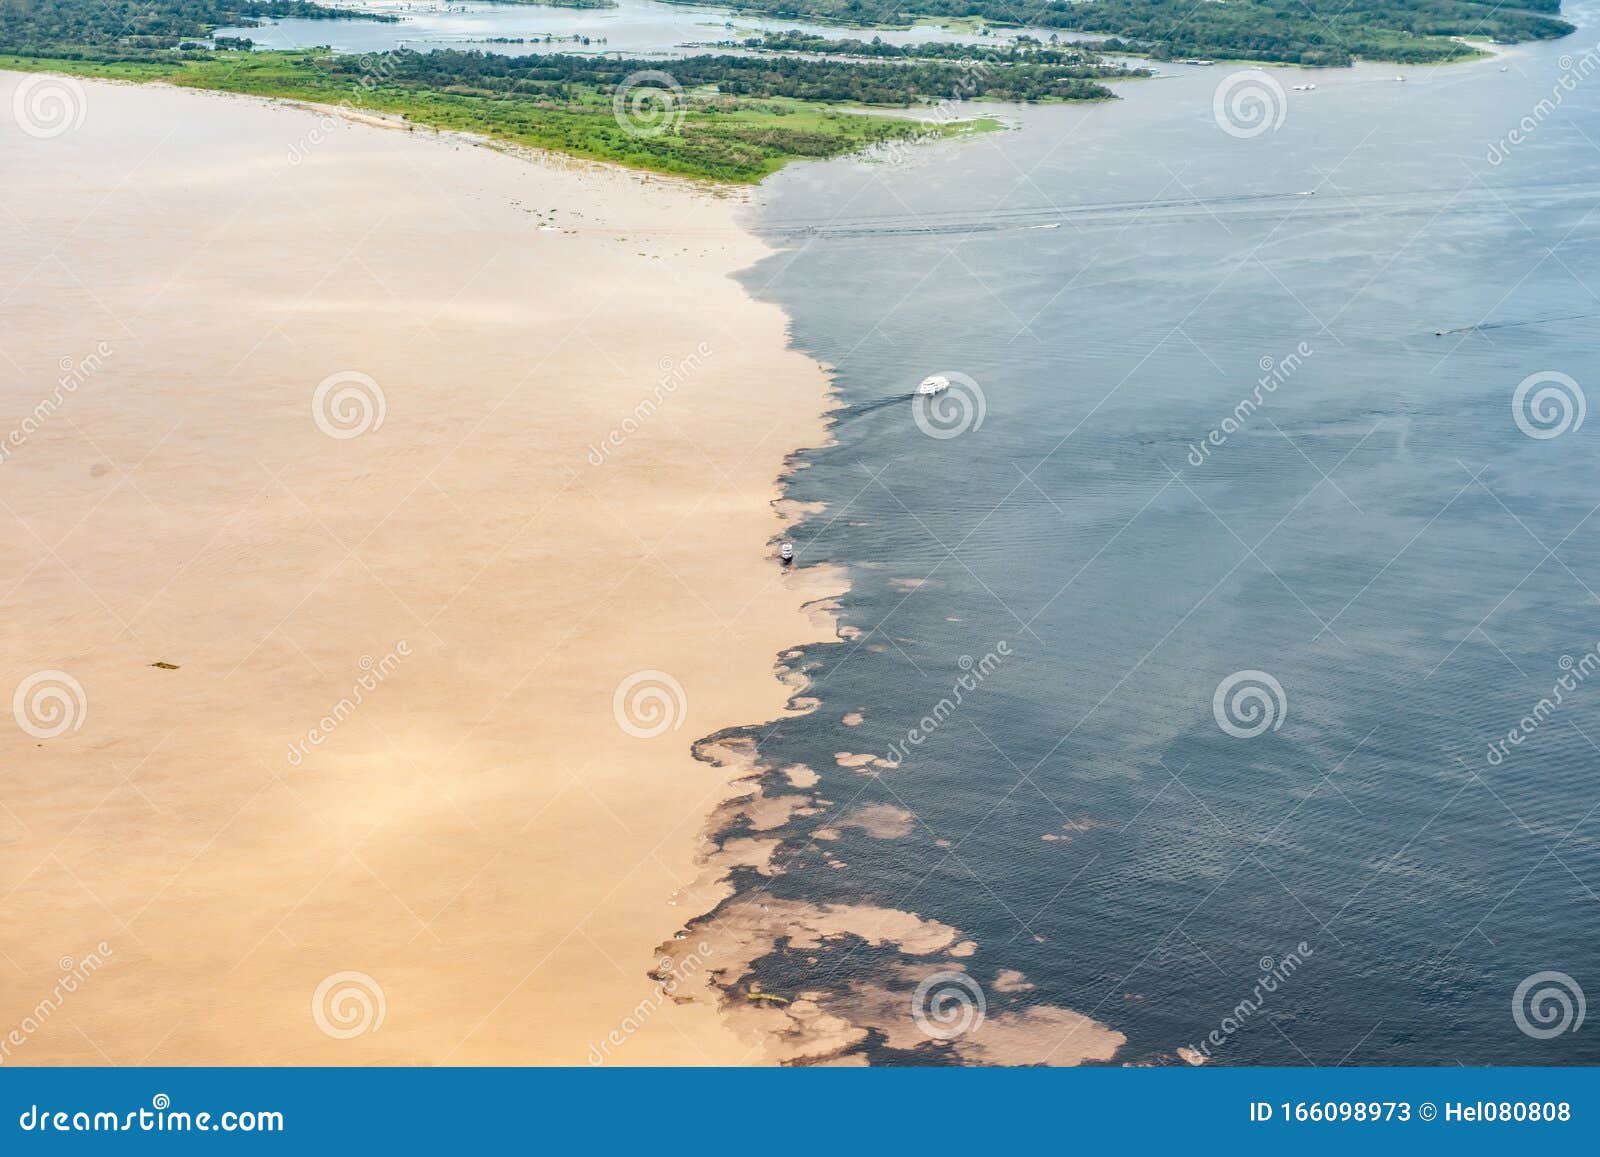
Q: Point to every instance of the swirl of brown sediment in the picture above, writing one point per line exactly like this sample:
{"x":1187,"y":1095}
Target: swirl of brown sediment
{"x":832,"y":1020}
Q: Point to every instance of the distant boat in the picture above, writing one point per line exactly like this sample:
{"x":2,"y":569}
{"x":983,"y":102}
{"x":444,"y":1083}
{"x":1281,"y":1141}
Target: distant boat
{"x":786,"y":552}
{"x":933,"y":384}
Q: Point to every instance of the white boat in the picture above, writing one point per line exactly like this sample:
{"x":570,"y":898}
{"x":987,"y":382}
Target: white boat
{"x":786,"y":552}
{"x":933,"y":384}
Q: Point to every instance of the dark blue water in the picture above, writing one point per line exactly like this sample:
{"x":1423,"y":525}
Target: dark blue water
{"x":1377,"y":534}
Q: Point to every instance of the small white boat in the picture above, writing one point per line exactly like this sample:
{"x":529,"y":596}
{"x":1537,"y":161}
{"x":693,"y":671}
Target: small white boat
{"x":933,"y":384}
{"x":786,"y":552}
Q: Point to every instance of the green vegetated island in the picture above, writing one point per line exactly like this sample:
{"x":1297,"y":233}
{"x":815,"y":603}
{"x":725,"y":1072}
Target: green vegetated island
{"x":1311,"y":32}
{"x":739,"y":117}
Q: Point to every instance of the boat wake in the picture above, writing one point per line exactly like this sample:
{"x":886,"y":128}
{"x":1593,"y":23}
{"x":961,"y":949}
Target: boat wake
{"x":1484,"y":326}
{"x":1304,"y":204}
{"x":861,"y":409}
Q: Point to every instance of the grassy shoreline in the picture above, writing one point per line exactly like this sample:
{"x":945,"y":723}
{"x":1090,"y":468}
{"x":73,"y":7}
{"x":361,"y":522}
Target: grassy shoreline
{"x":731,"y":140}
{"x":729,"y":118}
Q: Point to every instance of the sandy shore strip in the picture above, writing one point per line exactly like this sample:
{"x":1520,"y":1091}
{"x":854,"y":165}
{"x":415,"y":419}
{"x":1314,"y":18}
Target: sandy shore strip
{"x":386,"y":516}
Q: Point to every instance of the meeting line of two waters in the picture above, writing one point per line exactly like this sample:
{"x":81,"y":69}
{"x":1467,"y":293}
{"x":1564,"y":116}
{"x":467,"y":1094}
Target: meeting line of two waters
{"x":1182,"y":628}
{"x":1224,"y":791}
